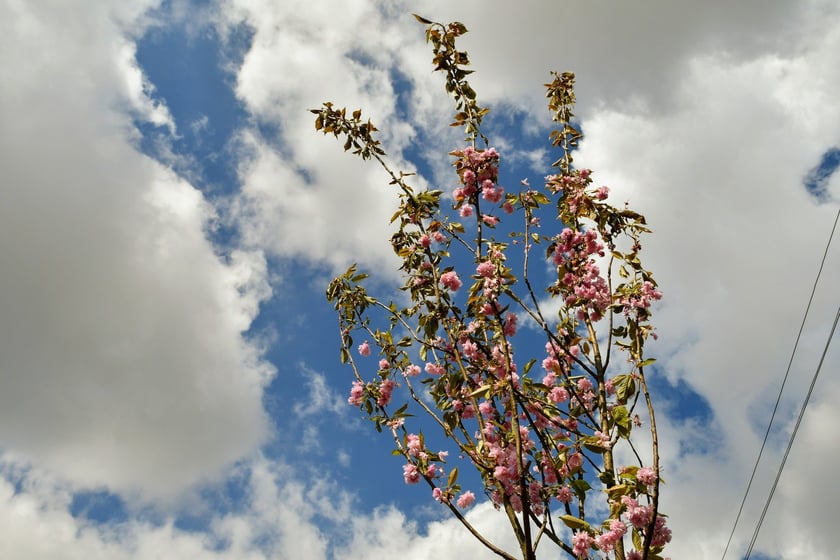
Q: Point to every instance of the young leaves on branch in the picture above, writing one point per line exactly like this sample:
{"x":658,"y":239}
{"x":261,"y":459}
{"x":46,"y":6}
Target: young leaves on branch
{"x":543,"y":442}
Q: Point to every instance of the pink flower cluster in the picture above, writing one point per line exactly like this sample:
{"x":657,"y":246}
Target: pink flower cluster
{"x":410,"y":474}
{"x":479,"y":171}
{"x":606,"y":541}
{"x":580,"y":278}
{"x":356,"y":393}
{"x":450,"y":280}
{"x":465,"y":500}
{"x":581,"y":543}
{"x":386,"y":388}
{"x":641,"y":299}
{"x":639,"y":516}
{"x":573,"y":188}
{"x":415,"y":446}
{"x":646,"y":475}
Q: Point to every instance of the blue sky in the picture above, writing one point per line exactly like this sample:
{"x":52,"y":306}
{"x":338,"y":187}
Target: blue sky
{"x":169,"y":219}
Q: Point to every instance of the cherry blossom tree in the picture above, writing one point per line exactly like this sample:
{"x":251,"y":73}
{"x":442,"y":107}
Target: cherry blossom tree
{"x":550,"y":435}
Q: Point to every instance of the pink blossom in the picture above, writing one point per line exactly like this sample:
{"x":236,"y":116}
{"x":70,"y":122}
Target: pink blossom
{"x":385,"y":390}
{"x":413,"y":445}
{"x":466,"y":211}
{"x":606,"y":541}
{"x":618,"y":526}
{"x":450,"y":280}
{"x":486,"y":269}
{"x":425,"y":240}
{"x":364,"y":349}
{"x":435,"y":369}
{"x":602,"y":193}
{"x":639,"y":516}
{"x":510,"y":324}
{"x":466,"y":499}
{"x":489,"y":220}
{"x":646,"y":475}
{"x":438,"y":237}
{"x":412,"y":370}
{"x":661,"y":533}
{"x":384,"y":364}
{"x":439,"y":496}
{"x":491,"y":193}
{"x":558,"y":395}
{"x":411,"y":474}
{"x":565,"y":494}
{"x":581,"y":542}
{"x":507,"y":207}
{"x":356,"y":393}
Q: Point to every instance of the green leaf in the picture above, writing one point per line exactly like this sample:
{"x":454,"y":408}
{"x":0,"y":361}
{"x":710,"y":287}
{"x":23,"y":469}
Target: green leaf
{"x":621,"y":417}
{"x":573,"y":522}
{"x":637,"y":540}
{"x":581,"y":487}
{"x":480,"y":391}
{"x":647,"y":362}
{"x":616,"y":492}
{"x":453,"y":476}
{"x":529,"y":365}
{"x":422,"y":19}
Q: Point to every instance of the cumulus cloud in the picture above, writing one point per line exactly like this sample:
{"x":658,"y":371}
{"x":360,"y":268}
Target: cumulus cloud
{"x":737,"y":243}
{"x":281,"y":516}
{"x":123,"y":356}
{"x":124,"y":361}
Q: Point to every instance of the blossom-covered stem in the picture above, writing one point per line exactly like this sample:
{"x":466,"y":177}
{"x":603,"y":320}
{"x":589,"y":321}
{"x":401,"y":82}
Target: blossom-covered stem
{"x":538,"y":442}
{"x":469,"y":526}
{"x":526,"y":542}
{"x":610,"y":315}
{"x":654,"y":494}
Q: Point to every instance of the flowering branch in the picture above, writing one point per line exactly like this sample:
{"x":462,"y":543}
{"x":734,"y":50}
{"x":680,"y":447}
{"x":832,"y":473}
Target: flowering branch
{"x":541,"y":446}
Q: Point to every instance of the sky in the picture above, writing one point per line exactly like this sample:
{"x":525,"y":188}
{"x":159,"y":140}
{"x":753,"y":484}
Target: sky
{"x":169,"y":220}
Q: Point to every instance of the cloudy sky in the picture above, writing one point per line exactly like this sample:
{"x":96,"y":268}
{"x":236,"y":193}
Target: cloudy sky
{"x":169,"y":384}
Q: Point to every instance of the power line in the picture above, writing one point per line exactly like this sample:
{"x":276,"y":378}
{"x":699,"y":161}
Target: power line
{"x":781,"y":390}
{"x":792,"y":436}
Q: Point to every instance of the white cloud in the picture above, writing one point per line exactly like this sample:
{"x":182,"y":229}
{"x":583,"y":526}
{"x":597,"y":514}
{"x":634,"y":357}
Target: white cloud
{"x":736,"y":245}
{"x":123,"y":360}
{"x":122,"y":356}
{"x":282,"y":517}
{"x":306,"y":199}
